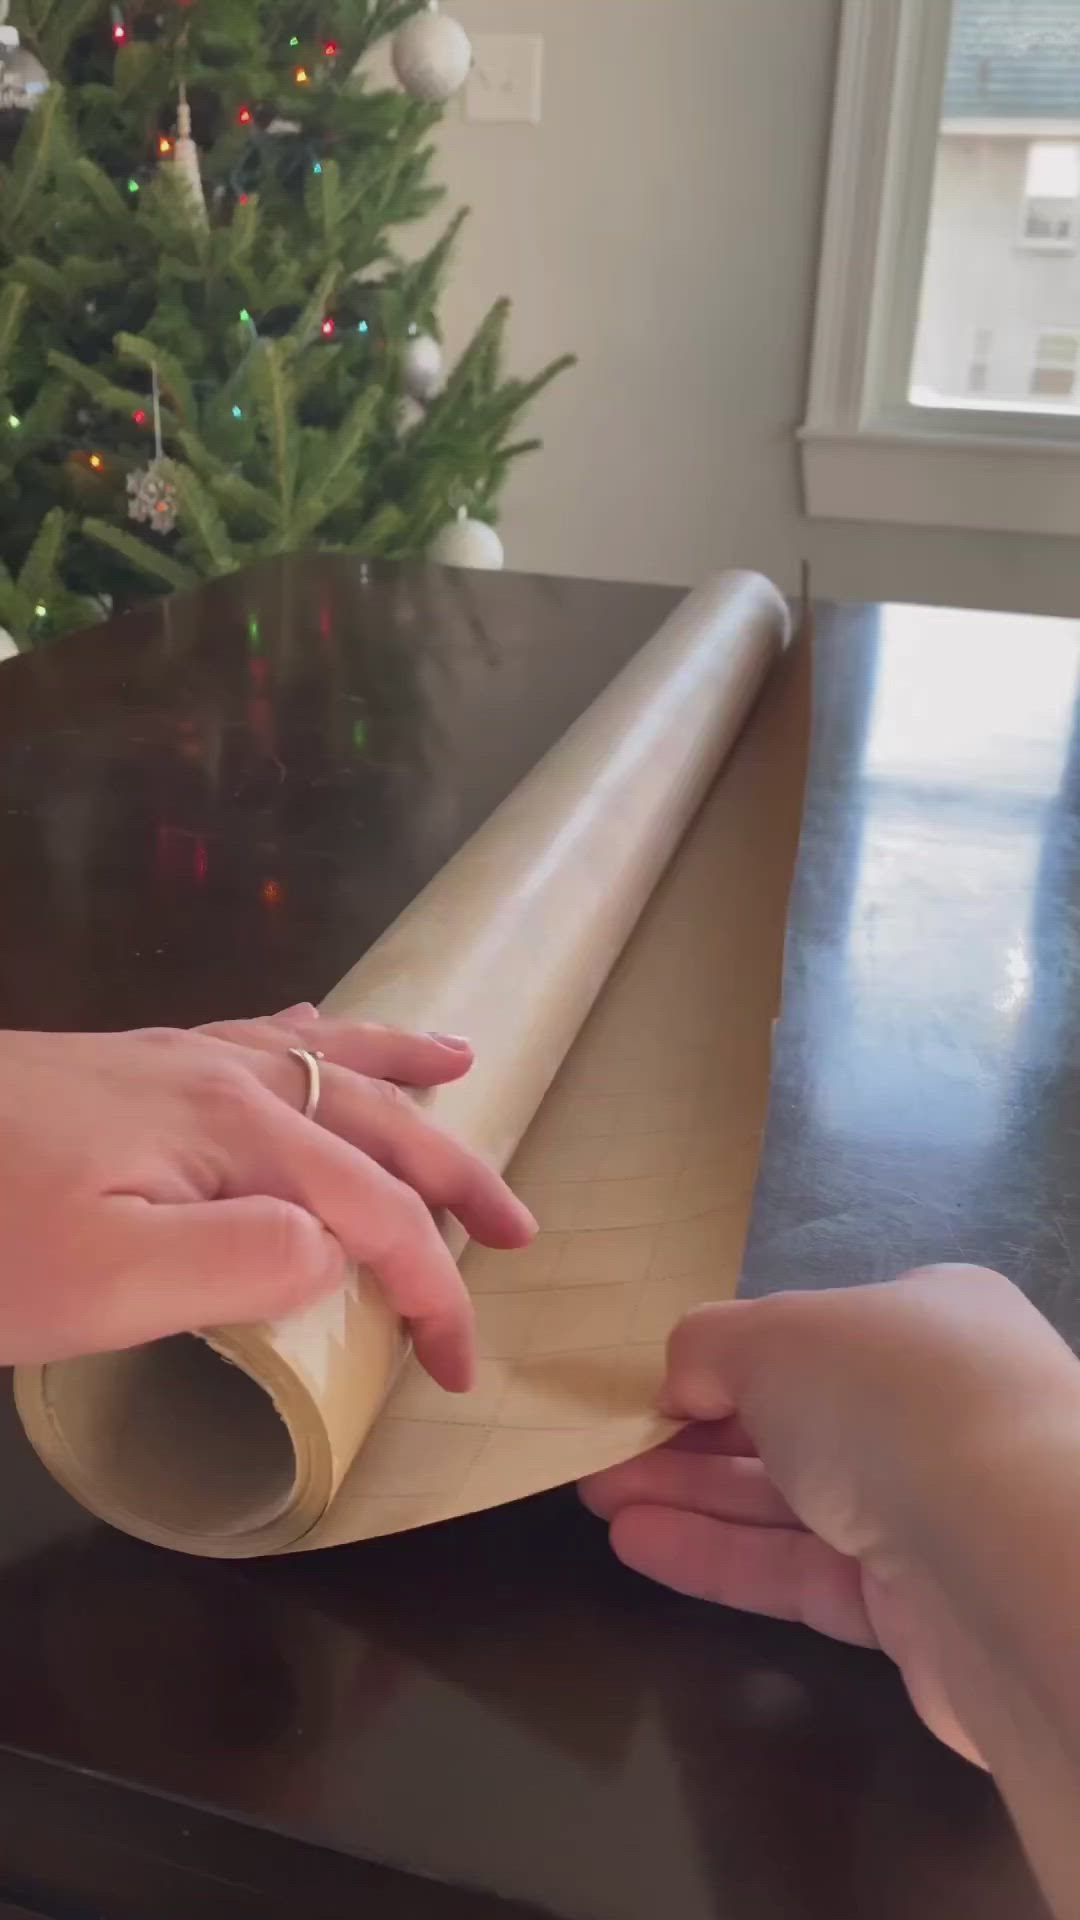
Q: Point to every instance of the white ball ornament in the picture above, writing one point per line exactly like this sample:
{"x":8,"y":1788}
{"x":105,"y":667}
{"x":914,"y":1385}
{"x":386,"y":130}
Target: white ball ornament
{"x":23,"y":80}
{"x":423,"y":366}
{"x":468,"y":543}
{"x":432,"y":56}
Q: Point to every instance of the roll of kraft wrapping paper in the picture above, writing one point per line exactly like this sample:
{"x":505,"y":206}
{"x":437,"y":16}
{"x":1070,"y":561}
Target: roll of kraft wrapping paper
{"x":322,"y":1430}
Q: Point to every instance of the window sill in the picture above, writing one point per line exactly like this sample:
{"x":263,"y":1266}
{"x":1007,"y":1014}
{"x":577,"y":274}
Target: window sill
{"x":972,"y":483}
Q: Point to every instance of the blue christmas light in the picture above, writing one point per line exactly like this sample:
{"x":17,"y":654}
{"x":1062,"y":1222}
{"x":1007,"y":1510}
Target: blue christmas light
{"x":238,"y":413}
{"x":317,"y":168}
{"x":363,"y":327}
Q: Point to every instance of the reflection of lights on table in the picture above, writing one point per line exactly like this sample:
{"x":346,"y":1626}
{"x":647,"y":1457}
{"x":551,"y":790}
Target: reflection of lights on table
{"x":272,"y":893}
{"x":1016,"y":992}
{"x":967,"y":750}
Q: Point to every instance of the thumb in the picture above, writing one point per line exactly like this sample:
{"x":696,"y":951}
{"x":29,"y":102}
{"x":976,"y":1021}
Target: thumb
{"x":710,"y":1355}
{"x":215,"y":1263}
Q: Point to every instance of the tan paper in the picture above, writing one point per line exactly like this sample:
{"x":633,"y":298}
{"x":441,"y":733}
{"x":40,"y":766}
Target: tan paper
{"x":640,"y":1162}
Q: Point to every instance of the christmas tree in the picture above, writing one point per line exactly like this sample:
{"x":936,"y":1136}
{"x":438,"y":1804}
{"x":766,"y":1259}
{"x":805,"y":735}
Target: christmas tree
{"x":210,"y":348}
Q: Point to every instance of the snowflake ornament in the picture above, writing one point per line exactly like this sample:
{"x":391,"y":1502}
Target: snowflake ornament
{"x":153,"y":499}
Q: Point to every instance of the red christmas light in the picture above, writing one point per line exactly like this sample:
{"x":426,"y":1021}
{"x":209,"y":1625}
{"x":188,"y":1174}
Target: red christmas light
{"x":245,"y":116}
{"x":139,"y":417}
{"x":164,"y":146}
{"x":329,"y":327}
{"x":119,"y":34}
{"x":331,"y":49}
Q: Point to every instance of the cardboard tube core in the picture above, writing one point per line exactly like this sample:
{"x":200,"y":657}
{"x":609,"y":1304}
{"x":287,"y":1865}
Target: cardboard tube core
{"x":181,"y":1437}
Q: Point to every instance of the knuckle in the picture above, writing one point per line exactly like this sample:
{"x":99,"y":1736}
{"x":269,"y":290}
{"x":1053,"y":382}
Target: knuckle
{"x":412,"y":1222}
{"x":164,"y":1040}
{"x":225,"y":1091}
{"x":391,"y":1096}
{"x":294,"y":1239}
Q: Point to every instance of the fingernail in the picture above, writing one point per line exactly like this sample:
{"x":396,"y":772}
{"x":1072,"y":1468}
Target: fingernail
{"x":303,"y":1007}
{"x":453,"y":1040}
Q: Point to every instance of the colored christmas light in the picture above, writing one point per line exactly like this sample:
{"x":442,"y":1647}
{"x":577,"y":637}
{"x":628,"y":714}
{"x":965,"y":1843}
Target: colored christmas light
{"x":329,"y":327}
{"x":41,"y":610}
{"x":317,"y":168}
{"x":139,"y":416}
{"x":331,"y":49}
{"x":245,"y":116}
{"x":303,"y":77}
{"x":238,"y":413}
{"x":164,"y":145}
{"x":245,"y":317}
{"x":97,"y":462}
{"x":294,"y":40}
{"x":14,"y":422}
{"x":362,"y":327}
{"x":133,"y":185}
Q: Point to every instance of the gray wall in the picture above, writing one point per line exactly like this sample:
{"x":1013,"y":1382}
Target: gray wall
{"x":664,"y":221}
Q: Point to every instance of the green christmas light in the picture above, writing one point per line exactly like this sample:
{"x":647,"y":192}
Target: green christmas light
{"x":238,"y":413}
{"x":245,"y":317}
{"x":133,"y":186}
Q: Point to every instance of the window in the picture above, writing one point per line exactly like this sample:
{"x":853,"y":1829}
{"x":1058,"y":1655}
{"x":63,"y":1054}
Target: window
{"x":946,"y":371}
{"x":1057,"y":362}
{"x":1051,"y":194}
{"x":979,"y":370}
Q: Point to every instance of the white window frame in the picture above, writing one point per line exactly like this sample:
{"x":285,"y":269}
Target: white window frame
{"x":868,"y":453}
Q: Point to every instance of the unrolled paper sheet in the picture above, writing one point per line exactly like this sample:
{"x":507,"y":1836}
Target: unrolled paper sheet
{"x":641,"y":1101}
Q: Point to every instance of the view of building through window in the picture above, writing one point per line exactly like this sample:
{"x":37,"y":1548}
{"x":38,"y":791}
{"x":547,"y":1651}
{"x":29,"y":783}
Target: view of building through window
{"x":999,"y":322}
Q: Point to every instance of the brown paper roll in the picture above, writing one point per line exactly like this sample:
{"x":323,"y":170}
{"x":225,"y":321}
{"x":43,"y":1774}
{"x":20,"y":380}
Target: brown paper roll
{"x":249,"y":1441}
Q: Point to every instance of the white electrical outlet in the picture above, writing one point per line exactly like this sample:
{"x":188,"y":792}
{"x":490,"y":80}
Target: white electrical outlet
{"x":507,"y":78}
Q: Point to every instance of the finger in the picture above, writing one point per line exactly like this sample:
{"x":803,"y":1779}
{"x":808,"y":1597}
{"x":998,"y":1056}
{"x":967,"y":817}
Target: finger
{"x":181,"y":1268}
{"x":379,"y":1120}
{"x":715,"y":1436}
{"x":381,"y":1223}
{"x":709,"y":1354}
{"x":736,"y":1490}
{"x":787,"y":1575}
{"x":380,"y":1053}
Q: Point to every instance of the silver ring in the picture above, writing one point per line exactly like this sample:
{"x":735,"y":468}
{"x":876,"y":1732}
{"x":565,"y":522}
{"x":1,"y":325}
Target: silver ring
{"x":311,"y":1066}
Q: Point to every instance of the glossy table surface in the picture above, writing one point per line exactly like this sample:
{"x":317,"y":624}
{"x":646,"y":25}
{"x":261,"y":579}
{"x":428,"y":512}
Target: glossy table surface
{"x":492,"y":1719}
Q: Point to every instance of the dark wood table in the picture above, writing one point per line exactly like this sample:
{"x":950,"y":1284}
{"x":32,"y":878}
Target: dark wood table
{"x":212,"y":809}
